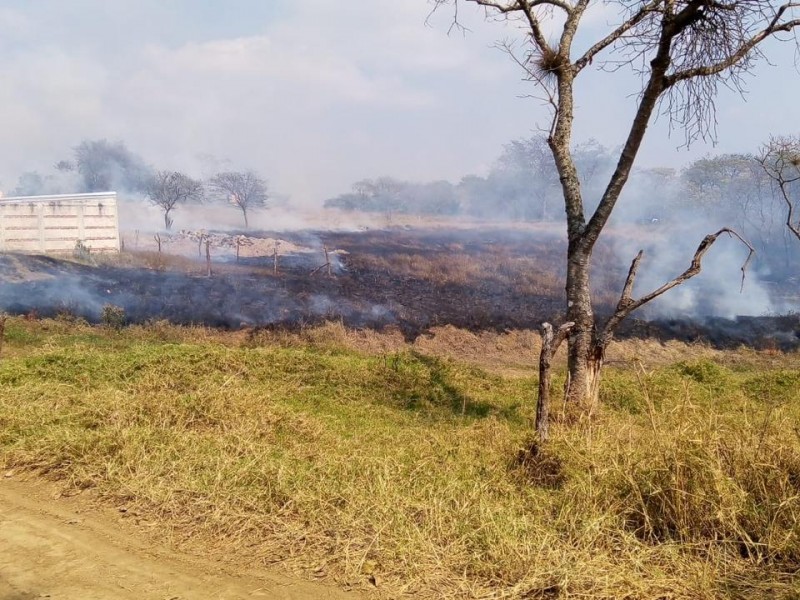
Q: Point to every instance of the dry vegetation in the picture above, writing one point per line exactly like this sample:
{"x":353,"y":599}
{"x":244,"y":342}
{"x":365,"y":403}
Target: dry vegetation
{"x":408,"y":469}
{"x":453,"y":266}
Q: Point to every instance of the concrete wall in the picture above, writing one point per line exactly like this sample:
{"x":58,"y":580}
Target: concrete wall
{"x":53,"y":224}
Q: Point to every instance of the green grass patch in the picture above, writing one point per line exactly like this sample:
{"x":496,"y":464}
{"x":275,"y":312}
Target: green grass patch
{"x":416,"y":468}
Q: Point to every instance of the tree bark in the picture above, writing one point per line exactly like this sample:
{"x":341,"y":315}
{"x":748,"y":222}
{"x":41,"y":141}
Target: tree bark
{"x":584,"y":371}
{"x":550,"y":344}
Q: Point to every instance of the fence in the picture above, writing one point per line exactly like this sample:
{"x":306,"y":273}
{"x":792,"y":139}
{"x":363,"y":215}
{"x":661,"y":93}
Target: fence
{"x":55,"y":224}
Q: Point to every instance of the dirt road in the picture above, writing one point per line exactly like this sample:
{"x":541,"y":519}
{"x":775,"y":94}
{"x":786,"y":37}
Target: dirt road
{"x":66,"y":549}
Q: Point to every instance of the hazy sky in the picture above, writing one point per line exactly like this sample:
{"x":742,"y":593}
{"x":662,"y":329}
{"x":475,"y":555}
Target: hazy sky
{"x":314,"y":94}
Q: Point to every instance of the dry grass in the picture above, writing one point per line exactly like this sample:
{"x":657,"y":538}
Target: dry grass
{"x":399,"y":466}
{"x":452,"y":266}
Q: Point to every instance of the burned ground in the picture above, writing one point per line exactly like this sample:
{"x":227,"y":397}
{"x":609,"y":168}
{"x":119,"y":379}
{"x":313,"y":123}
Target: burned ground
{"x":408,"y":279}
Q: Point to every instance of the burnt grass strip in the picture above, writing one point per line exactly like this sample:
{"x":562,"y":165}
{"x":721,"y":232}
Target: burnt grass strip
{"x":410,"y":280}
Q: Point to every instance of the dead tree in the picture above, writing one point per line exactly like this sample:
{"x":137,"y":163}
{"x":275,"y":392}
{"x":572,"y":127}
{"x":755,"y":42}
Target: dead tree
{"x":683,"y":50}
{"x":208,"y":257}
{"x":157,"y":238}
{"x":780,"y":158}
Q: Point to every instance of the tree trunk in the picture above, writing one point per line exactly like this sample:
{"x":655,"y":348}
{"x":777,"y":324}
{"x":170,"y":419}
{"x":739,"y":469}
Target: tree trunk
{"x":167,"y":220}
{"x":584,"y":369}
{"x":244,"y":212}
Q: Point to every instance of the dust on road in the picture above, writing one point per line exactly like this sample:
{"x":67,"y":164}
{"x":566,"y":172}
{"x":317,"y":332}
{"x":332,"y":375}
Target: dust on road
{"x":67,"y":549}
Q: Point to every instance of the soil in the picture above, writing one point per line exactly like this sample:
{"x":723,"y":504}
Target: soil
{"x":73,"y":549}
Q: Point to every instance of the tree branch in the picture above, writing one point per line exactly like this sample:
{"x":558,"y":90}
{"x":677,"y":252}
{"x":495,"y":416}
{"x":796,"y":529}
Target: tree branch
{"x":627,"y":304}
{"x":525,"y":7}
{"x":733,"y":59}
{"x":615,"y":35}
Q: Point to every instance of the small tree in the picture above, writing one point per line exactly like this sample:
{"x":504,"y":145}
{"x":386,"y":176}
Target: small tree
{"x":167,"y":189}
{"x":683,"y":50}
{"x":244,"y":190}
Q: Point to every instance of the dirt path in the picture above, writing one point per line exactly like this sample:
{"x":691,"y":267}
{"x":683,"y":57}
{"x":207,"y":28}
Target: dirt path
{"x":67,"y":549}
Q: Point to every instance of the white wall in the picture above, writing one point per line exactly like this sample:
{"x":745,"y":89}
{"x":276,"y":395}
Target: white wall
{"x":53,"y":224}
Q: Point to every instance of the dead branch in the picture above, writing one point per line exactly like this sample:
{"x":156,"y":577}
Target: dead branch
{"x":157,"y":238}
{"x":627,"y":304}
{"x":325,"y":265}
{"x":550,"y":344}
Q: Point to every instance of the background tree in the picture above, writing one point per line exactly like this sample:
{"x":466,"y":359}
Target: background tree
{"x":167,"y":189}
{"x":30,"y":183}
{"x":733,"y":188}
{"x":682,"y":50}
{"x":524,"y":178}
{"x":244,"y":190}
{"x":780,"y":159}
{"x":105,"y":166}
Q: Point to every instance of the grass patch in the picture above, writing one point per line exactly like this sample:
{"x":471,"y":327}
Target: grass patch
{"x":416,"y":470}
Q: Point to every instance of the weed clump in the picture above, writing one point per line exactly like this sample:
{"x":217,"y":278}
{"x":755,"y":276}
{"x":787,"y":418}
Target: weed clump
{"x":702,"y":371}
{"x":540,"y":466}
{"x":113,"y":316}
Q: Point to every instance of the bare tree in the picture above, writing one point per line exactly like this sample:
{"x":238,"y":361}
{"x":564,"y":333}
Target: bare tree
{"x":244,"y":190}
{"x":683,"y":50}
{"x":780,"y":158}
{"x":167,"y":189}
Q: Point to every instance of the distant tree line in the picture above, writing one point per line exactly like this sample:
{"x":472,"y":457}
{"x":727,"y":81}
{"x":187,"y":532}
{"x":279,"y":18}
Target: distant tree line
{"x":522,"y":184}
{"x":100,"y":165}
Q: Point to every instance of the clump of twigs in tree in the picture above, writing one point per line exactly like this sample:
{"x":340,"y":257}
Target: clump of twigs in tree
{"x":545,"y":63}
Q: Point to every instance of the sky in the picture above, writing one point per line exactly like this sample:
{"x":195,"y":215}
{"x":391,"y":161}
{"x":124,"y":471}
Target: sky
{"x":316,"y":94}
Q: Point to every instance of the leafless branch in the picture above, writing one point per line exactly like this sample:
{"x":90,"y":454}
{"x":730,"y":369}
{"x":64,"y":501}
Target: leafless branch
{"x":627,"y":304}
{"x":618,"y":34}
{"x":527,"y":9}
{"x":543,"y":78}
